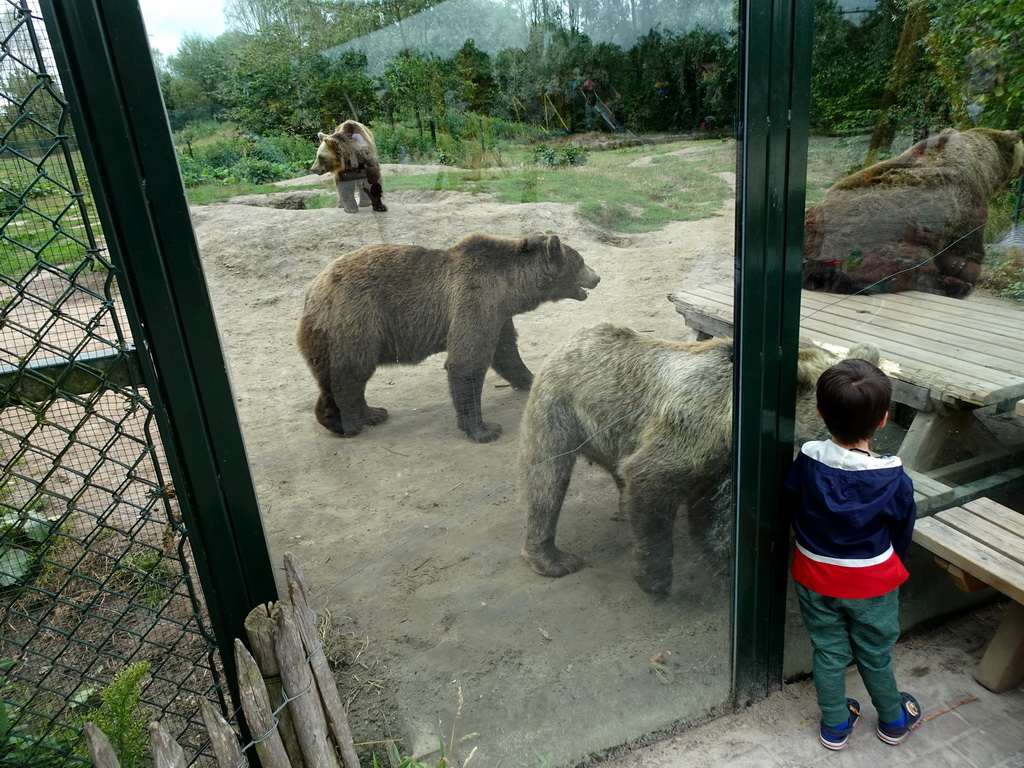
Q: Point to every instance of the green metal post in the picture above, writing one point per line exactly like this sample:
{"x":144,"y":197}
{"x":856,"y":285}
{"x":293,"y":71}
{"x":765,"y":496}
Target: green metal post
{"x":107,"y":74}
{"x":775,"y":72}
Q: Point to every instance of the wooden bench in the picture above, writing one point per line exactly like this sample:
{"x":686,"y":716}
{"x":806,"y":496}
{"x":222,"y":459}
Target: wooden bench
{"x":982,"y":544}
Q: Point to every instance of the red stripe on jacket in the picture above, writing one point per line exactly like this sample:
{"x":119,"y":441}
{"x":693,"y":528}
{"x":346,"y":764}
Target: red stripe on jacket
{"x":848,"y":582}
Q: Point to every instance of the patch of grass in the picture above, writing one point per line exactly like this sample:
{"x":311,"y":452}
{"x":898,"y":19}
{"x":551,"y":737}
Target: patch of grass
{"x":611,"y":190}
{"x":215,"y":192}
{"x":446,"y":756}
{"x":326,"y":200}
{"x":145,"y":577}
{"x":39,"y":214}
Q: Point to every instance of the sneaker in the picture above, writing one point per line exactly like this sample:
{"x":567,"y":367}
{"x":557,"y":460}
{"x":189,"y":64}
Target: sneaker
{"x":896,"y":733}
{"x":835,"y":737}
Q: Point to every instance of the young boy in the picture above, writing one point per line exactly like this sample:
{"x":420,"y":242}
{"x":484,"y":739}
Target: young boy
{"x":854,"y":515}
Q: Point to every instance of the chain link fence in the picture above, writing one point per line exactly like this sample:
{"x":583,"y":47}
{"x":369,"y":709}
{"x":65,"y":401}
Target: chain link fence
{"x":95,"y":564}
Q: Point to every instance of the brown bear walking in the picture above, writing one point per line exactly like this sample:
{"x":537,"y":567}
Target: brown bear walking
{"x":350,"y":153}
{"x":657,"y":415}
{"x":397,"y":304}
{"x":915,"y":222}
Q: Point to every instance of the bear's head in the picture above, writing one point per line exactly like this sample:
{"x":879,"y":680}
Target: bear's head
{"x":340,"y":152}
{"x":812,"y":361}
{"x":326,"y":155}
{"x":566,"y":274}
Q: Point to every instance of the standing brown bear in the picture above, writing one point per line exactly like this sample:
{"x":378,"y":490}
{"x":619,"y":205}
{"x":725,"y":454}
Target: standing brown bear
{"x":915,"y":222}
{"x":350,"y":153}
{"x":657,"y":415}
{"x":397,"y":304}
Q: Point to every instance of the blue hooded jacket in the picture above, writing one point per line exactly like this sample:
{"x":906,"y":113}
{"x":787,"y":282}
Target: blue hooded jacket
{"x":853,"y":515}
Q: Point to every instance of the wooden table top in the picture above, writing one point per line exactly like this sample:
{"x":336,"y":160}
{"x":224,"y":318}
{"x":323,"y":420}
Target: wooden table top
{"x":960,"y":350}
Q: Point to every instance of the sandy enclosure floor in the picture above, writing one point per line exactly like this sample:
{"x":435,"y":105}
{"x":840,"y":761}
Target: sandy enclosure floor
{"x":410,"y":533}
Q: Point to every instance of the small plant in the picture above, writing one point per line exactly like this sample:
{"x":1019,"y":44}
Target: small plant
{"x":29,"y":738}
{"x":24,"y":539}
{"x":445,"y":758}
{"x":443,"y":158}
{"x":121,"y":716}
{"x":146,"y":577}
{"x":545,"y":155}
{"x":557,"y":157}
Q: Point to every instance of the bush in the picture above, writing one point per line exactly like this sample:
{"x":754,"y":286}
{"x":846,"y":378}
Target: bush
{"x":244,"y":158}
{"x":557,"y":157}
{"x":403,"y":144}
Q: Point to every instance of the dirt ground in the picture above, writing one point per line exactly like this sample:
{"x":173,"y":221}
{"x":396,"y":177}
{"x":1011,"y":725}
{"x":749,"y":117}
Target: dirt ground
{"x":410,"y":533}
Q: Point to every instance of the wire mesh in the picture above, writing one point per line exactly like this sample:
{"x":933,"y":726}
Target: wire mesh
{"x":95,"y":564}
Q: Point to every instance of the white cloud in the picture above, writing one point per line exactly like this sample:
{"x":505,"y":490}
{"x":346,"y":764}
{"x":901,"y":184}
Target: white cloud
{"x":167,"y":22}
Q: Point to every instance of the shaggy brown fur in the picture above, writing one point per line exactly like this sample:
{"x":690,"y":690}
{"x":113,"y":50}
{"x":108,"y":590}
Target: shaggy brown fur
{"x":657,"y":415}
{"x":350,"y":153}
{"x":885,"y":224}
{"x":397,"y":304}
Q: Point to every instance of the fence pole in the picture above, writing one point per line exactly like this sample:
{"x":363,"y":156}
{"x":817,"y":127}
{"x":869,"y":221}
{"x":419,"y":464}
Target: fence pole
{"x":107,"y":74}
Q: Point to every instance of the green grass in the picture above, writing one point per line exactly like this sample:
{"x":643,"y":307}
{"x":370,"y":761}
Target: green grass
{"x":611,"y":193}
{"x":30,"y":237}
{"x":216,"y":193}
{"x":37,"y":203}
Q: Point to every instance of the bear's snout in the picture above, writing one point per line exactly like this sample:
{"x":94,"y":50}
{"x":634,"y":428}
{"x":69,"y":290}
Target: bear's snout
{"x":588,"y":279}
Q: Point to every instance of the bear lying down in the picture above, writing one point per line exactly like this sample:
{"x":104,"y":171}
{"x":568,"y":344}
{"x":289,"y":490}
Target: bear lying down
{"x":657,"y":415}
{"x":394,"y":304}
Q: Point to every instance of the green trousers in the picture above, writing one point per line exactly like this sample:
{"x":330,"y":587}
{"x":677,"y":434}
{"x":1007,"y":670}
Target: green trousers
{"x":844,"y":630}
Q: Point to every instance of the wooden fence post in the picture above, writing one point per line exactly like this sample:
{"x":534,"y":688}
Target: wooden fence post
{"x":258,"y":712}
{"x":165,"y":750}
{"x":224,"y":741}
{"x":261,"y":629}
{"x":337,"y":717}
{"x":301,"y":689}
{"x":100,"y":750}
{"x":286,"y":643}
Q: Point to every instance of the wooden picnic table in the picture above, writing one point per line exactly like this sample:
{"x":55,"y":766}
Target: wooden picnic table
{"x":947,"y":357}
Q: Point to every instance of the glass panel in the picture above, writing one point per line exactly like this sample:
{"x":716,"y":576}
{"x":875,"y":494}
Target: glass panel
{"x":607,"y":131}
{"x":912,"y":244}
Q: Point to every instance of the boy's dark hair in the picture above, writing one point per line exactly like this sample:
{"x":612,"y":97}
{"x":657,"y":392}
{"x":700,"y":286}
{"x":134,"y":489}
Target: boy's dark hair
{"x":853,"y":397}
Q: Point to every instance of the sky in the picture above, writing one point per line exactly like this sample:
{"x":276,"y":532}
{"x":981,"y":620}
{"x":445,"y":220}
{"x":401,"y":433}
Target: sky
{"x":167,"y":22}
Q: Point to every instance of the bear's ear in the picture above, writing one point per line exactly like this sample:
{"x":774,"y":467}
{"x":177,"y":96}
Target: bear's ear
{"x":554,"y":247}
{"x":866,"y":351}
{"x":1008,"y":140}
{"x":321,"y":135}
{"x":534,"y":241}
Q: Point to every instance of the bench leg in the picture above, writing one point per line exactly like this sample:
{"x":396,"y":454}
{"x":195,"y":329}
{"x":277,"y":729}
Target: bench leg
{"x":928,"y":432}
{"x":1002,"y":666}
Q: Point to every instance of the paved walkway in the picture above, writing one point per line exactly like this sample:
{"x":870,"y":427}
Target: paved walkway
{"x":965,"y":725}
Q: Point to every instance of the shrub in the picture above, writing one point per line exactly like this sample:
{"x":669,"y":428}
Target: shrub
{"x":244,"y":158}
{"x":557,"y":157}
{"x":121,"y":716}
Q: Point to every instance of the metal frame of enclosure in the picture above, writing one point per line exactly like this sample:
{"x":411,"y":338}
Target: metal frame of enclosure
{"x":103,"y":56}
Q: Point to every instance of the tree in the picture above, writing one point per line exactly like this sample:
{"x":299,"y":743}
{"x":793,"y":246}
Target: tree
{"x":194,"y":76}
{"x":978,"y":49}
{"x":478,"y":89}
{"x":276,"y":83}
